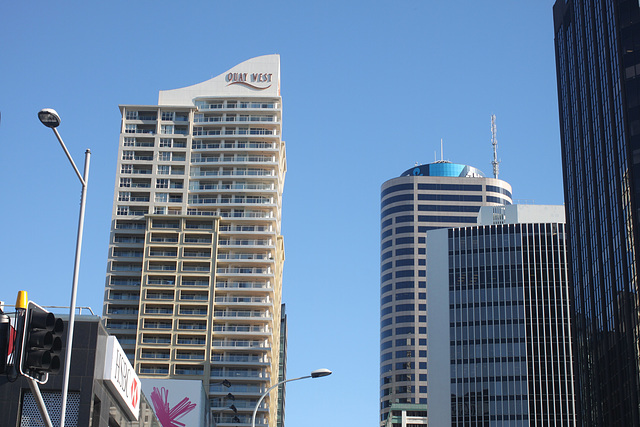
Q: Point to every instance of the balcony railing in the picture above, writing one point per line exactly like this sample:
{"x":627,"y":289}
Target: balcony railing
{"x":258,"y":172}
{"x":195,"y":282}
{"x":242,"y":285}
{"x":243,"y":270}
{"x":252,"y":257}
{"x":232,"y":159}
{"x":215,"y":145}
{"x":196,"y":187}
{"x":255,"y":314}
{"x":248,"y":359}
{"x":259,"y":300}
{"x":245,"y":242}
{"x":240,"y":343}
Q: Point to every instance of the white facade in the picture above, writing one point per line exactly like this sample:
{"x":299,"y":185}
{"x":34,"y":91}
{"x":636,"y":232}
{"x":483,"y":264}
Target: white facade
{"x":520,"y":214}
{"x":194,"y":278}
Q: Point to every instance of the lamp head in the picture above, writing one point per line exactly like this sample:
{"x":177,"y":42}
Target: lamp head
{"x":320,"y":373}
{"x":49,"y":117}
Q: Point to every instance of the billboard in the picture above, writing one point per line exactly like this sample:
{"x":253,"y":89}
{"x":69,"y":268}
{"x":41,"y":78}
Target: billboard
{"x":177,"y":403}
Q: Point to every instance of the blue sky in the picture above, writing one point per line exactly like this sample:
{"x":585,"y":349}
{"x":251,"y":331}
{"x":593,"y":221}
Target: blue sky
{"x":369,"y":88}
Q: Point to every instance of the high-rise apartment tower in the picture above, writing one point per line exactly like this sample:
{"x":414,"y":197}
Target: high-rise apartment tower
{"x":423,"y":198}
{"x":598,"y":71}
{"x":193,"y":287}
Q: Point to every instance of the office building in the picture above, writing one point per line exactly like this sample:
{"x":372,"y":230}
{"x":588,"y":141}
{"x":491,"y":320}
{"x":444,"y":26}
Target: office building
{"x":425,"y":197}
{"x":498,"y":321}
{"x":193,"y":287}
{"x":94,"y":399}
{"x":598,"y":71}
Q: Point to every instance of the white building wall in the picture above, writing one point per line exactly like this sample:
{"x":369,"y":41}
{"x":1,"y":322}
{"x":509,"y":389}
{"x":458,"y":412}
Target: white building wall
{"x":438,"y":379}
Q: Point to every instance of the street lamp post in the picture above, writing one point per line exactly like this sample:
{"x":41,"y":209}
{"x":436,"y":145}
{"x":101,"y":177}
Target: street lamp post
{"x":51,"y":119}
{"x":315,"y":374}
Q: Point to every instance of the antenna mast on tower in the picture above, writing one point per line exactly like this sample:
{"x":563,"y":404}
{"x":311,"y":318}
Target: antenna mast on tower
{"x":494,"y":142}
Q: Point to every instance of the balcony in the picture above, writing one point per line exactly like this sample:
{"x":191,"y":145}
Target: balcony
{"x":156,"y":325}
{"x":155,"y":355}
{"x":243,"y":285}
{"x":238,"y":200}
{"x":194,"y":297}
{"x":189,"y":370}
{"x":243,"y":300}
{"x":159,"y":295}
{"x":248,"y":257}
{"x":194,"y":282}
{"x":245,"y":242}
{"x":200,"y":268}
{"x":237,"y":172}
{"x":240,"y":343}
{"x":162,"y":370}
{"x":163,"y":253}
{"x":193,"y":312}
{"x":195,"y":186}
{"x":121,"y":325}
{"x":189,"y":356}
{"x":243,"y":271}
{"x":198,"y":159}
{"x":233,"y":329}
{"x":161,"y":281}
{"x":192,"y":326}
{"x":156,"y":339}
{"x":123,"y":296}
{"x":123,"y":281}
{"x":196,"y":254}
{"x":162,"y":267}
{"x":232,"y":105}
{"x":182,"y":340}
{"x":246,"y":314}
{"x":237,"y":389}
{"x":235,"y":145}
{"x":234,"y":358}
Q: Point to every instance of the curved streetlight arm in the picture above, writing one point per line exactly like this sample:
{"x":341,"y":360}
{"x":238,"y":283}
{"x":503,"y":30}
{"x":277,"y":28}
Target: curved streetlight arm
{"x":51,"y":119}
{"x":255,"y":411}
{"x":64,"y":147}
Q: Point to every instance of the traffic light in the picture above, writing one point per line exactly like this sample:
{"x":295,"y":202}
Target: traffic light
{"x":41,"y":343}
{"x":5,"y":335}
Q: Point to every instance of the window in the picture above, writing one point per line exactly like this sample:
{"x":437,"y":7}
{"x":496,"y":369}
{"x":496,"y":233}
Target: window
{"x":130,"y":128}
{"x":166,"y":129}
{"x":124,"y":196}
{"x":160,"y":210}
{"x":127,"y":155}
{"x":132,"y":115}
{"x":122,"y":210}
{"x":165,"y":142}
{"x":126,"y":169}
{"x":168,"y":115}
{"x":125,"y":182}
{"x":162,"y":197}
{"x":129,"y":142}
{"x":164,"y":156}
{"x":164,"y":169}
{"x":162,"y":183}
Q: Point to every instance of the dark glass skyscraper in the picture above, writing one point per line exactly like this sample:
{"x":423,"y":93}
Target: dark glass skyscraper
{"x":598,"y":70}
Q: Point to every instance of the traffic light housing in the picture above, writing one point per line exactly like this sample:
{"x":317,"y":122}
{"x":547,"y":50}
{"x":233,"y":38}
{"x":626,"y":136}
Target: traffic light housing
{"x":41,"y":344}
{"x":5,"y":336}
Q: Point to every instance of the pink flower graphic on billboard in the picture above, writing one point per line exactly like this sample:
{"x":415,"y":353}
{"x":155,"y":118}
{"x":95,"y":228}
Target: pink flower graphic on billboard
{"x":167,"y":416}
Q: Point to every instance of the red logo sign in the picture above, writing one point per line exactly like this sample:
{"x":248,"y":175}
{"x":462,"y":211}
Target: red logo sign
{"x":134,"y":393}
